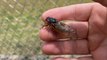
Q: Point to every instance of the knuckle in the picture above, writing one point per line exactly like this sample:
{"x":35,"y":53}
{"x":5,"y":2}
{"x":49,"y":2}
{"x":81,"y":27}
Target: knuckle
{"x":98,"y":8}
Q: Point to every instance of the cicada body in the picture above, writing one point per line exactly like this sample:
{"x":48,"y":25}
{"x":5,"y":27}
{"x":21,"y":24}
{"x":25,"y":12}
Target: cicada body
{"x":66,"y":31}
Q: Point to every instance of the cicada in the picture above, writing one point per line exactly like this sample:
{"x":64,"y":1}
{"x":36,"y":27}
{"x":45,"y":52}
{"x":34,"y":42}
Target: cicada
{"x":65,"y":31}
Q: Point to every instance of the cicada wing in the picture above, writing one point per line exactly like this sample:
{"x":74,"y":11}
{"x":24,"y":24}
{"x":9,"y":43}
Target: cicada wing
{"x":73,"y":33}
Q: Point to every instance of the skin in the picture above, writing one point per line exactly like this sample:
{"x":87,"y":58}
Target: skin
{"x":91,"y":26}
{"x":103,"y":2}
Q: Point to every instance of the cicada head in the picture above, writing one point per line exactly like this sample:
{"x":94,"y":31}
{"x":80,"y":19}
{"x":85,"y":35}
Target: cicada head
{"x":50,"y":20}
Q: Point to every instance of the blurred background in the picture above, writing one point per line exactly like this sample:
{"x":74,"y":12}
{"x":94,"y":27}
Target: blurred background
{"x":20,"y":24}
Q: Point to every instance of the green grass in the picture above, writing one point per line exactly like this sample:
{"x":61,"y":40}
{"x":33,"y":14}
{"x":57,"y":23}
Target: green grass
{"x":20,"y":24}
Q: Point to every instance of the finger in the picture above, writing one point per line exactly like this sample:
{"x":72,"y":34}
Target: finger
{"x":81,"y":58}
{"x":80,"y":27}
{"x":66,"y":47}
{"x":73,"y":12}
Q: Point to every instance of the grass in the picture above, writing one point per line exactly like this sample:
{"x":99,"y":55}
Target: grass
{"x":20,"y":24}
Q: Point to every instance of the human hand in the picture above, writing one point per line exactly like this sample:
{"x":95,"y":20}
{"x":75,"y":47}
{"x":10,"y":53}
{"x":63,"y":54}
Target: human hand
{"x":103,"y":2}
{"x":91,"y":26}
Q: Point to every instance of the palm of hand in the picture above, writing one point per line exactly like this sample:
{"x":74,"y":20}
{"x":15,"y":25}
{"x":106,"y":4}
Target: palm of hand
{"x":98,"y":33}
